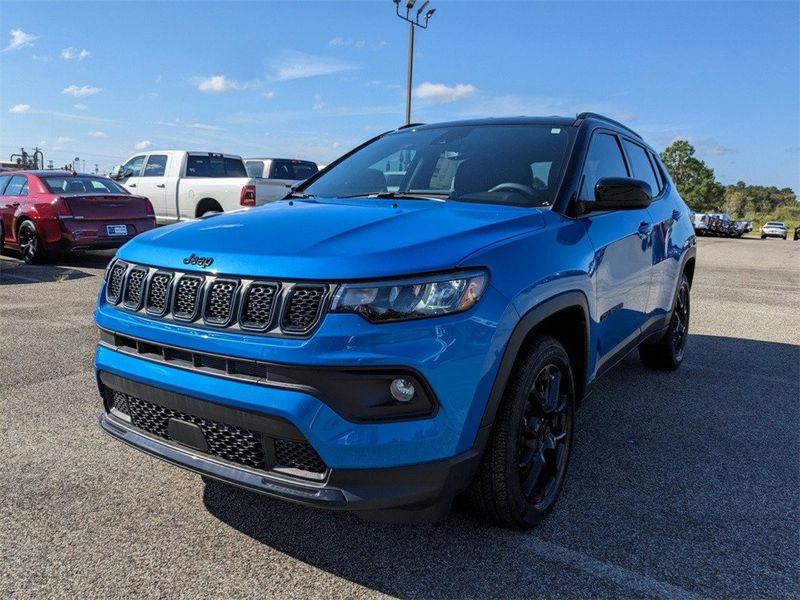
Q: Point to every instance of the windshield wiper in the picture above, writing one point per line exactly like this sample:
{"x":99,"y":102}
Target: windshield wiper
{"x":399,"y":196}
{"x":300,"y":195}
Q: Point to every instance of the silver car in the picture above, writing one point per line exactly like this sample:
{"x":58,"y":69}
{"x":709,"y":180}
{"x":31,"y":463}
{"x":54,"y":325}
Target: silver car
{"x":774,"y":229}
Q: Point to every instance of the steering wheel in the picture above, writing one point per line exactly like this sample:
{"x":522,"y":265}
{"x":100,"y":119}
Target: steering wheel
{"x":515,"y":187}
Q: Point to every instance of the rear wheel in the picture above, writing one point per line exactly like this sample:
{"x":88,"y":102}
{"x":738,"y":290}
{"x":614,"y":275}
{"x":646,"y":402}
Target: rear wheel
{"x":523,"y":467}
{"x":31,"y":246}
{"x":667,"y":353}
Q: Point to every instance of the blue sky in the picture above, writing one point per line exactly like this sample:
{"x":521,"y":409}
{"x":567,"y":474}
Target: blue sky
{"x":312,"y":79}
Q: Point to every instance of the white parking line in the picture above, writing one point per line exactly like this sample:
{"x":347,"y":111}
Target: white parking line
{"x":598,"y":568}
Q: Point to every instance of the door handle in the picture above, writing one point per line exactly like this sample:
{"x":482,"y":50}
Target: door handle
{"x":161,"y":185}
{"x":644,"y":229}
{"x":12,"y":205}
{"x":132,"y":185}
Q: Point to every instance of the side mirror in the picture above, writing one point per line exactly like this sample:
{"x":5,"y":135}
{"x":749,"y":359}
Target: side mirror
{"x":115,"y":172}
{"x":620,"y":193}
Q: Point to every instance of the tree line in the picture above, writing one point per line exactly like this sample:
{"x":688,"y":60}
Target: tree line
{"x":703,"y":193}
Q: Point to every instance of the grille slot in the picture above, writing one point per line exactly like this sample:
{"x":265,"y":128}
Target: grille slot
{"x":187,"y":296}
{"x":220,"y":301}
{"x":115,"y":280}
{"x":157,"y":300}
{"x":298,"y":455}
{"x":304,"y":304}
{"x":229,"y":442}
{"x":259,"y":300}
{"x":134,"y":288}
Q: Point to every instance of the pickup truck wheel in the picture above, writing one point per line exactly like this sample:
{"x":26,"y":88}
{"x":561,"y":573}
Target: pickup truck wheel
{"x":667,"y":353}
{"x":207,"y":206}
{"x":523,"y":466}
{"x":31,"y":246}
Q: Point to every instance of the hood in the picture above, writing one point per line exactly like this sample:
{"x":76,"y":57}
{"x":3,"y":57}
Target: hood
{"x":333,"y":239}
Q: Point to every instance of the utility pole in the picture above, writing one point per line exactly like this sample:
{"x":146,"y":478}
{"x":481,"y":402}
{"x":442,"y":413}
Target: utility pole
{"x":417,"y":21}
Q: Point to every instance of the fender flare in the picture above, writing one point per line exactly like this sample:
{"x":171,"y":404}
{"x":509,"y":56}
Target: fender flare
{"x":526,"y":324}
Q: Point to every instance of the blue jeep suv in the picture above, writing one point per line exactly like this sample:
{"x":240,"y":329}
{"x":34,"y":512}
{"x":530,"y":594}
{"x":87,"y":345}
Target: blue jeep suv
{"x":418,"y":321}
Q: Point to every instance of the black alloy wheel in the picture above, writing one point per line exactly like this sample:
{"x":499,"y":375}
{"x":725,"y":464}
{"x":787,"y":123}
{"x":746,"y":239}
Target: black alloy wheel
{"x":667,"y":352}
{"x":30,"y":244}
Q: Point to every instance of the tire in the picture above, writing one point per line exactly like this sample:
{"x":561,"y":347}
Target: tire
{"x":523,"y":467}
{"x":763,"y":237}
{"x":31,"y":246}
{"x":667,"y":353}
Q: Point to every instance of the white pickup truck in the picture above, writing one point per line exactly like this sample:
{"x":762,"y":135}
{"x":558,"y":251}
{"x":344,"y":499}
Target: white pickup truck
{"x":278,"y":175}
{"x":186,"y":185}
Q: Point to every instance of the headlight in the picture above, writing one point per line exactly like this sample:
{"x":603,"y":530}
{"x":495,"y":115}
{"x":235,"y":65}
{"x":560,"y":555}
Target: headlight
{"x":417,"y":298}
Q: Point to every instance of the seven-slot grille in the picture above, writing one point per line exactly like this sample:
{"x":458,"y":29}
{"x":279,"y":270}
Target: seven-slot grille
{"x":260,"y":306}
{"x":229,"y":442}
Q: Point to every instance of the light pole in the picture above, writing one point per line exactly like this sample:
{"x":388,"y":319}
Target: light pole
{"x":413,"y":21}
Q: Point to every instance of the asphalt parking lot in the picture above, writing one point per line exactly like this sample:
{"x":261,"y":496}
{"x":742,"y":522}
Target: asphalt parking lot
{"x":681,"y":485}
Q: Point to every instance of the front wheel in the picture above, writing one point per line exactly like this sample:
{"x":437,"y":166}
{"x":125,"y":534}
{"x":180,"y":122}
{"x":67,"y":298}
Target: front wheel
{"x":31,"y":246}
{"x":523,"y":466}
{"x":667,"y":353}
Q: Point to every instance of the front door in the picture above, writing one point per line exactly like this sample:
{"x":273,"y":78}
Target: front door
{"x":623,"y":256}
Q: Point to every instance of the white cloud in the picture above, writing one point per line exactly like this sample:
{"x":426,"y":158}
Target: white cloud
{"x":75,"y":54}
{"x":80,"y":106}
{"x":143,"y":145}
{"x":218,"y":83}
{"x":83,"y":90}
{"x":63,"y":140}
{"x":269,"y":95}
{"x":340,"y":42}
{"x":19,"y":39}
{"x":336,"y":145}
{"x":318,"y":102}
{"x":337,"y":41}
{"x":298,"y":65}
{"x":41,"y":58}
{"x":19,"y":108}
{"x":439,"y":92}
{"x":360,"y":44}
{"x":206,"y":127}
{"x":97,"y":134}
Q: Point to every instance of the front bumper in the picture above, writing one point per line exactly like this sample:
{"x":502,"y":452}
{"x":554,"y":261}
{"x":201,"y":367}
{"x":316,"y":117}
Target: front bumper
{"x":413,"y":493}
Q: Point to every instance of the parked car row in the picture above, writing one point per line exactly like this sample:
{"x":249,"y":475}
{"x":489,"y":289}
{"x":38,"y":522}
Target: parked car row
{"x":720,"y":224}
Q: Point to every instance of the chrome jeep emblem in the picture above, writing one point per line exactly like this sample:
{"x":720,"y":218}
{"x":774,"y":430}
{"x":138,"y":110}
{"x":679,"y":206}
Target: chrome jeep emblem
{"x":200,"y":261}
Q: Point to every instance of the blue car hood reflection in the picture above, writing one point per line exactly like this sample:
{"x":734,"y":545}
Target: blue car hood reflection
{"x":333,"y":239}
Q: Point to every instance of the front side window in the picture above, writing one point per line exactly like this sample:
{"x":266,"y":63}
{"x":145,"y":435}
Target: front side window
{"x":16,"y":186}
{"x":133,"y":168}
{"x":604,"y":159}
{"x":4,"y":179}
{"x":640,"y":165}
{"x":515,"y":164}
{"x":156,"y":165}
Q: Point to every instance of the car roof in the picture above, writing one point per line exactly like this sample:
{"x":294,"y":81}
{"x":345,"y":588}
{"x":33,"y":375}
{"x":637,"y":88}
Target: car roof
{"x":53,"y":172}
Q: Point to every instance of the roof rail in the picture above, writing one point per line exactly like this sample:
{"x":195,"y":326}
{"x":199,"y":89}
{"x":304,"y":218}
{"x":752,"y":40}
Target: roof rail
{"x":592,"y":115}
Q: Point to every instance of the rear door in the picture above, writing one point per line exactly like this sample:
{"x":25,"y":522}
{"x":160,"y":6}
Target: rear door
{"x":623,"y":255}
{"x":6,"y":211}
{"x":153,"y":185}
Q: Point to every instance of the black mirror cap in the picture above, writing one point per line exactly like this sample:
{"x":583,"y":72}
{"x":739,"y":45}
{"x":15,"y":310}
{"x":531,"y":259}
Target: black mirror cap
{"x":620,"y":193}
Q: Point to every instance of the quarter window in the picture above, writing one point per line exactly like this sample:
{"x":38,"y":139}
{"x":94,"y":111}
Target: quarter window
{"x":603,"y":160}
{"x":640,"y":165}
{"x":156,"y":165}
{"x":3,"y":183}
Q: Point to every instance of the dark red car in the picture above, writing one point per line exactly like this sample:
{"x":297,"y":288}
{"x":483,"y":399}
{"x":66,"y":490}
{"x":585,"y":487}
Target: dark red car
{"x":52,"y":211}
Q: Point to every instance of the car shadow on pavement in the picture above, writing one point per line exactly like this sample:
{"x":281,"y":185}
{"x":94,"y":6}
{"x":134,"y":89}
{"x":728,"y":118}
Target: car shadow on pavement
{"x":14,"y":271}
{"x":679,"y":481}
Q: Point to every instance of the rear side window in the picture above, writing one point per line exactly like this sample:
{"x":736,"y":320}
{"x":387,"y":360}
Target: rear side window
{"x":3,"y":183}
{"x":16,"y":186}
{"x":156,"y":166}
{"x":295,"y":170}
{"x":640,"y":165}
{"x":214,"y":165}
{"x":603,"y":160}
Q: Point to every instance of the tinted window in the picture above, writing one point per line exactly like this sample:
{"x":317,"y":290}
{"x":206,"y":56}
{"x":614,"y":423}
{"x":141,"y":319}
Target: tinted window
{"x":603,"y":160}
{"x":24,"y":190}
{"x":296,"y":170}
{"x":16,"y":185}
{"x":640,"y":165}
{"x":156,"y":165}
{"x":255,"y":168}
{"x":3,"y":183}
{"x":133,"y":168}
{"x":657,"y":169}
{"x":519,"y":165}
{"x":70,"y":184}
{"x":214,"y":165}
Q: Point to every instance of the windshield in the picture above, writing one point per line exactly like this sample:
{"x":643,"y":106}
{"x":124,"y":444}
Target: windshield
{"x":519,"y":165}
{"x":72,"y":184}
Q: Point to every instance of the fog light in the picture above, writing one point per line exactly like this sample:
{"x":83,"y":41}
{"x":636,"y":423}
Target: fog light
{"x":402,"y":390}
